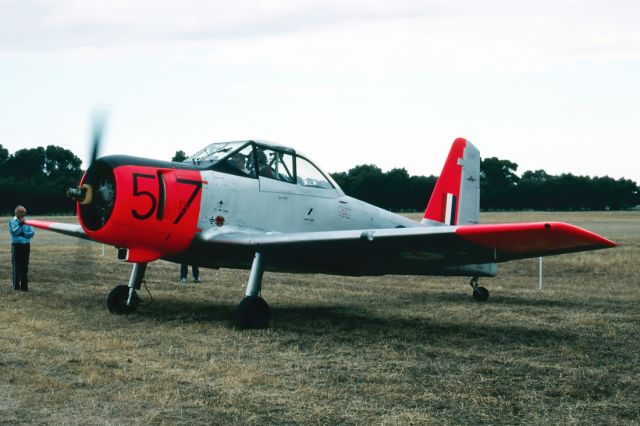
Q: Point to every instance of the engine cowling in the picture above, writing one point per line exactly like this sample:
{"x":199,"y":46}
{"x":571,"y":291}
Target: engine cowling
{"x":149,"y":207}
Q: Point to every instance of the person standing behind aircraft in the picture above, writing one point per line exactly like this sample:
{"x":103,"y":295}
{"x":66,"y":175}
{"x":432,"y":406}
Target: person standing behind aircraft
{"x":184,"y":271}
{"x":21,"y":235}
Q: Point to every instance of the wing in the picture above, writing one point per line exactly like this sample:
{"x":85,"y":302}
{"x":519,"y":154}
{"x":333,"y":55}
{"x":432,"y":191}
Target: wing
{"x":417,"y":250}
{"x":71,"y":229}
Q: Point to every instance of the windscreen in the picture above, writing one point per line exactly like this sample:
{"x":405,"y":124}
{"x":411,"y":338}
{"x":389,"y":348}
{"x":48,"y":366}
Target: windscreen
{"x":214,"y":152}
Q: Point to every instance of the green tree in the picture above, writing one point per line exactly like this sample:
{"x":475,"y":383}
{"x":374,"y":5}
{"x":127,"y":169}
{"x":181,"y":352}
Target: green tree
{"x":4,"y":154}
{"x":498,"y":181}
{"x":362,"y":182}
{"x":533,"y":190}
{"x":419,"y":191}
{"x":179,"y":156}
{"x":394,"y":190}
{"x":499,"y":173}
{"x":38,"y":178}
{"x":60,"y":162}
{"x":395,"y":183}
{"x":25,"y":164}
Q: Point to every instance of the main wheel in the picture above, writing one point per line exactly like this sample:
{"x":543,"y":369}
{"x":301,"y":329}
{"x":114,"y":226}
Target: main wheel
{"x":252,"y":312}
{"x":481,"y":294}
{"x":117,"y":301}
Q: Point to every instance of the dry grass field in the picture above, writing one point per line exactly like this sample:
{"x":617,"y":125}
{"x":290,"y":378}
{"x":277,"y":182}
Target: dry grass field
{"x":384,"y":350}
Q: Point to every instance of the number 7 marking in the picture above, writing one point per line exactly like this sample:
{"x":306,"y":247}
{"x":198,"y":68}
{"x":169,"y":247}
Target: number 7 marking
{"x":198,"y":186}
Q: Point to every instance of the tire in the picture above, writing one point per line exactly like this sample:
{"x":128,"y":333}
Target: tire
{"x":481,"y":294}
{"x":117,"y":301}
{"x":252,"y":313}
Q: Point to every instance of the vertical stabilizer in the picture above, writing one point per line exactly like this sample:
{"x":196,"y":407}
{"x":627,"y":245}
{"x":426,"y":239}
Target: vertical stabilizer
{"x":456,"y":197}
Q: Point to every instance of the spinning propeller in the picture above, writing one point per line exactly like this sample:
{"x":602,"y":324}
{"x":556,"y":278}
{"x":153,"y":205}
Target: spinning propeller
{"x":98,"y":122}
{"x":83,"y":193}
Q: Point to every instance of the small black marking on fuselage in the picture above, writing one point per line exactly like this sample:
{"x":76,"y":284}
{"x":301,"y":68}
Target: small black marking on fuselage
{"x":310,"y":210}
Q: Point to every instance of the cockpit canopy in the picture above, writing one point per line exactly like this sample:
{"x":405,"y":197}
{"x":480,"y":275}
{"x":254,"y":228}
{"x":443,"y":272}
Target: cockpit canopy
{"x":259,"y":159}
{"x":214,"y":152}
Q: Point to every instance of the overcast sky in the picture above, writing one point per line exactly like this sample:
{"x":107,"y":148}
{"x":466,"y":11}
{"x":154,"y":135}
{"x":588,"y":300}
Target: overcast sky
{"x":551,"y":85}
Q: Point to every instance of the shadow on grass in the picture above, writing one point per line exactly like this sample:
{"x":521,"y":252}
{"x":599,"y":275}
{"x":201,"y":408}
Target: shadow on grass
{"x":500,"y":299}
{"x":323,"y":320}
{"x":344,"y":323}
{"x":577,"y":304}
{"x":196,"y":311}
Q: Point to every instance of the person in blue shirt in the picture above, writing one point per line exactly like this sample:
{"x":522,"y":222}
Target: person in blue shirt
{"x":21,"y":235}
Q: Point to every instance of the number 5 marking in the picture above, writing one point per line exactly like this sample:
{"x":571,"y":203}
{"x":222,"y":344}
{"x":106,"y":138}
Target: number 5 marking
{"x":198,"y":187}
{"x":137,"y":193}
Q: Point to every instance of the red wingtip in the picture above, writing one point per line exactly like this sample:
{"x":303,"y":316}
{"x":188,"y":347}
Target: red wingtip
{"x":42,"y":224}
{"x":536,"y":237}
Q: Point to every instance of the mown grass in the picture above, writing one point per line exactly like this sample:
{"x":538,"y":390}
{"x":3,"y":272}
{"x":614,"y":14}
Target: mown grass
{"x":384,"y":350}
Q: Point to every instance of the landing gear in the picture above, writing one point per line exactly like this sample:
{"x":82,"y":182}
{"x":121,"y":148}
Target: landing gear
{"x":124,"y":300}
{"x":253,"y":311}
{"x":117,"y":301}
{"x":481,"y":294}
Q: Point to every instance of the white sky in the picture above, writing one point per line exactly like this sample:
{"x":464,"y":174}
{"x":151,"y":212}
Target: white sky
{"x":551,"y":85}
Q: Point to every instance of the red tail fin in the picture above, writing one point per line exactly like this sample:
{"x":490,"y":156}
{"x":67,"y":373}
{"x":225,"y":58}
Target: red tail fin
{"x":456,"y":196}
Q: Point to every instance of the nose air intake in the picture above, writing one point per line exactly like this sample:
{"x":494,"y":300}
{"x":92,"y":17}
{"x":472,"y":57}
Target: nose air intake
{"x":97,"y":196}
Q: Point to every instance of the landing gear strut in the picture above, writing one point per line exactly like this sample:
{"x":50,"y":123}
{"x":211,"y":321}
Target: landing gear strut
{"x":124,"y":299}
{"x":481,"y":294}
{"x":253,"y":311}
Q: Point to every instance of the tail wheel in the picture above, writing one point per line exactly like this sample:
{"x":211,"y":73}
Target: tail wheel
{"x":481,"y":294}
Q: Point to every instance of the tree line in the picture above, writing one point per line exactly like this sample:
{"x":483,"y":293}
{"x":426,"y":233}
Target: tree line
{"x":500,"y":189}
{"x":39,"y":177}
